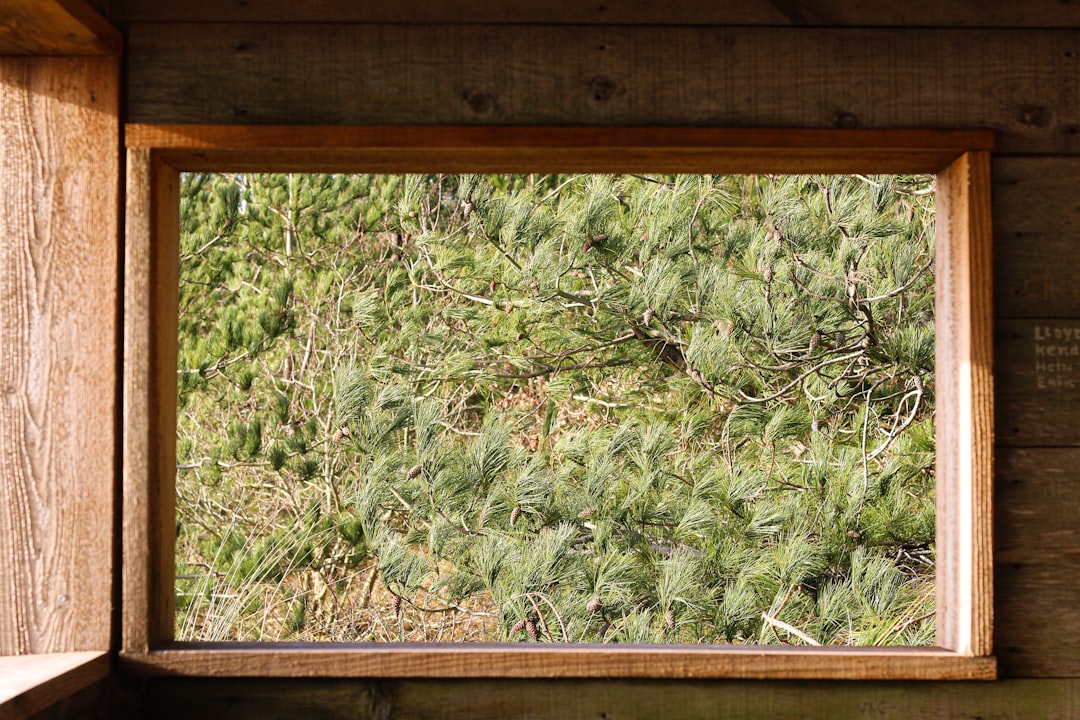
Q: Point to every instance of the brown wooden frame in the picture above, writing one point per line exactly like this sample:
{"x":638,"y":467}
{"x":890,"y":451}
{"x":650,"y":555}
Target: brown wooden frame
{"x":961,"y":160}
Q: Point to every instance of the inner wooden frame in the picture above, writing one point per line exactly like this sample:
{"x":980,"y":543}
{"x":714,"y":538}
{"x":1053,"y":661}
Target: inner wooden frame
{"x":963,"y":376}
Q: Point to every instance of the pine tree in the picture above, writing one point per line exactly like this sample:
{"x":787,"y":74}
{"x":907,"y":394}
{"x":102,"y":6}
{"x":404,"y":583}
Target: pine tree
{"x":564,"y":408}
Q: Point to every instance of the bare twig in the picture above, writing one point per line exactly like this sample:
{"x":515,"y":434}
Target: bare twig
{"x":775,"y":623}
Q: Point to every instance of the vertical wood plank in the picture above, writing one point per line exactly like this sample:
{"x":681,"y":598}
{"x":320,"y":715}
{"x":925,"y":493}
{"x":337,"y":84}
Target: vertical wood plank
{"x":59,"y":231}
{"x":150,"y":341}
{"x":964,"y":423}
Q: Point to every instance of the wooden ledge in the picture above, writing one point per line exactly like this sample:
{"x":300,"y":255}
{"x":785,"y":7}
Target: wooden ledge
{"x":320,"y":148}
{"x":567,"y":661}
{"x":55,"y":27}
{"x":31,"y":683}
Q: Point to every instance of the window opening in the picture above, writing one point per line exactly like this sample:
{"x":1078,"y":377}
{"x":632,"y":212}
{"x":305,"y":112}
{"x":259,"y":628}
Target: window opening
{"x":556,"y":408}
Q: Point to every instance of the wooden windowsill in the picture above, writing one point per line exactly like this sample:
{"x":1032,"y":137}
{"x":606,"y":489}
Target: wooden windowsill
{"x":454,"y":660}
{"x":31,"y":683}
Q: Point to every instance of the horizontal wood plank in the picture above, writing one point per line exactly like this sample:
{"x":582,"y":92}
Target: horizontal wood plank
{"x":31,"y":683}
{"x":1038,"y":492}
{"x":59,"y":224}
{"x":507,"y":660}
{"x":1036,"y":634}
{"x":239,"y":699}
{"x":1037,"y":371}
{"x":1037,"y":539}
{"x":854,"y":13}
{"x":1036,"y":237}
{"x":311,"y":74}
{"x":55,"y":27}
{"x":464,"y":138}
{"x":509,"y":149}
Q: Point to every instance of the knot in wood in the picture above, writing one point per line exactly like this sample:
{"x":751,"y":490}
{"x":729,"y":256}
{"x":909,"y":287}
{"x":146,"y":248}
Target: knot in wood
{"x":602,"y":89}
{"x":479,"y":101}
{"x":847,"y":121}
{"x":1035,"y":116}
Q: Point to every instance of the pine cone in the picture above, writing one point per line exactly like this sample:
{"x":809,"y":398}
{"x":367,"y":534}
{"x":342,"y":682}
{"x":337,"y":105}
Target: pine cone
{"x":587,"y":512}
{"x":518,"y":627}
{"x":594,"y":605}
{"x":648,"y":316}
{"x":514,"y":515}
{"x":815,"y":340}
{"x":669,"y":619}
{"x":414,"y":472}
{"x":767,"y":273}
{"x":530,"y":627}
{"x":395,"y":605}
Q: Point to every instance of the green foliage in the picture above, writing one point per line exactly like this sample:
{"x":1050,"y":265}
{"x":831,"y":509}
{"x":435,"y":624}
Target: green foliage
{"x":557,"y":408}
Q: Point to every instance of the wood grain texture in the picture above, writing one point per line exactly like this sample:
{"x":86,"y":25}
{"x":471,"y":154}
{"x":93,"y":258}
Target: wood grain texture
{"x":184,"y":698}
{"x":870,"y":144}
{"x":857,"y":13}
{"x":310,"y":74}
{"x":964,"y":416}
{"x":31,"y":683}
{"x":1037,"y":634}
{"x":85,"y":703}
{"x":1037,"y":555}
{"x":964,"y":466}
{"x":553,"y":149}
{"x":1038,"y":381}
{"x":1037,"y":237}
{"x":151,"y":268}
{"x":55,"y":27}
{"x":509,"y":660}
{"x":59,"y":224}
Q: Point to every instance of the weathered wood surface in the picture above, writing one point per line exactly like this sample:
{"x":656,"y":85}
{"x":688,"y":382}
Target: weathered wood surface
{"x":1037,"y":556}
{"x":964,"y":390}
{"x":1036,"y":216}
{"x":517,"y":660}
{"x":1036,"y":237}
{"x":1037,"y":371}
{"x":151,"y":268}
{"x":59,"y":229}
{"x":31,"y":683}
{"x":396,"y":148}
{"x":1014,"y":82}
{"x":55,"y":27}
{"x":854,"y":13}
{"x":617,"y":699}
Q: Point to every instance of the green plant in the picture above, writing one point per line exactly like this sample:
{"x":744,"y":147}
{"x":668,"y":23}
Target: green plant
{"x":560,"y":408}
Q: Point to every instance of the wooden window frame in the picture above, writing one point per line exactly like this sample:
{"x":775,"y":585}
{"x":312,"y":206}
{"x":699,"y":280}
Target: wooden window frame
{"x":964,"y":425}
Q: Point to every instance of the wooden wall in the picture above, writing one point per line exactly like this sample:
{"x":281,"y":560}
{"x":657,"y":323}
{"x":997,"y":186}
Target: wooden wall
{"x":1008,"y":66}
{"x":782,"y":64}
